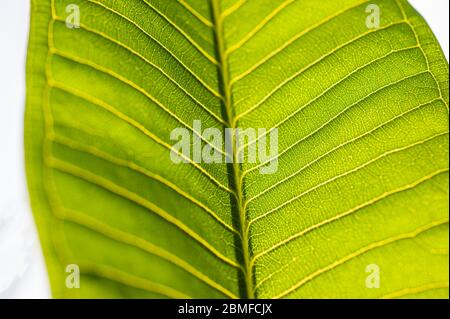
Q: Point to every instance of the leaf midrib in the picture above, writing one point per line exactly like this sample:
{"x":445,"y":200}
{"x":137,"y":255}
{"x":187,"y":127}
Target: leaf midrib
{"x":224,"y":85}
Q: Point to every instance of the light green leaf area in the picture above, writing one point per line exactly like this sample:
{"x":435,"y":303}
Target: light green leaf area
{"x":362,"y":118}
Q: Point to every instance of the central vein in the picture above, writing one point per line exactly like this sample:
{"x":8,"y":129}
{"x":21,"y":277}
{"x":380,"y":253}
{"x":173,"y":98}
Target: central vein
{"x":225,"y":88}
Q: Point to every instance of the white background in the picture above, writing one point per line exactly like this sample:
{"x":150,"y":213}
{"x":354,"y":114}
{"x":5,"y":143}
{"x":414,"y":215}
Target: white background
{"x":22,"y":270}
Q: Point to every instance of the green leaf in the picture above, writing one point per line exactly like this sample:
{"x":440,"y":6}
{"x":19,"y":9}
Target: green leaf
{"x":362,"y":119}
